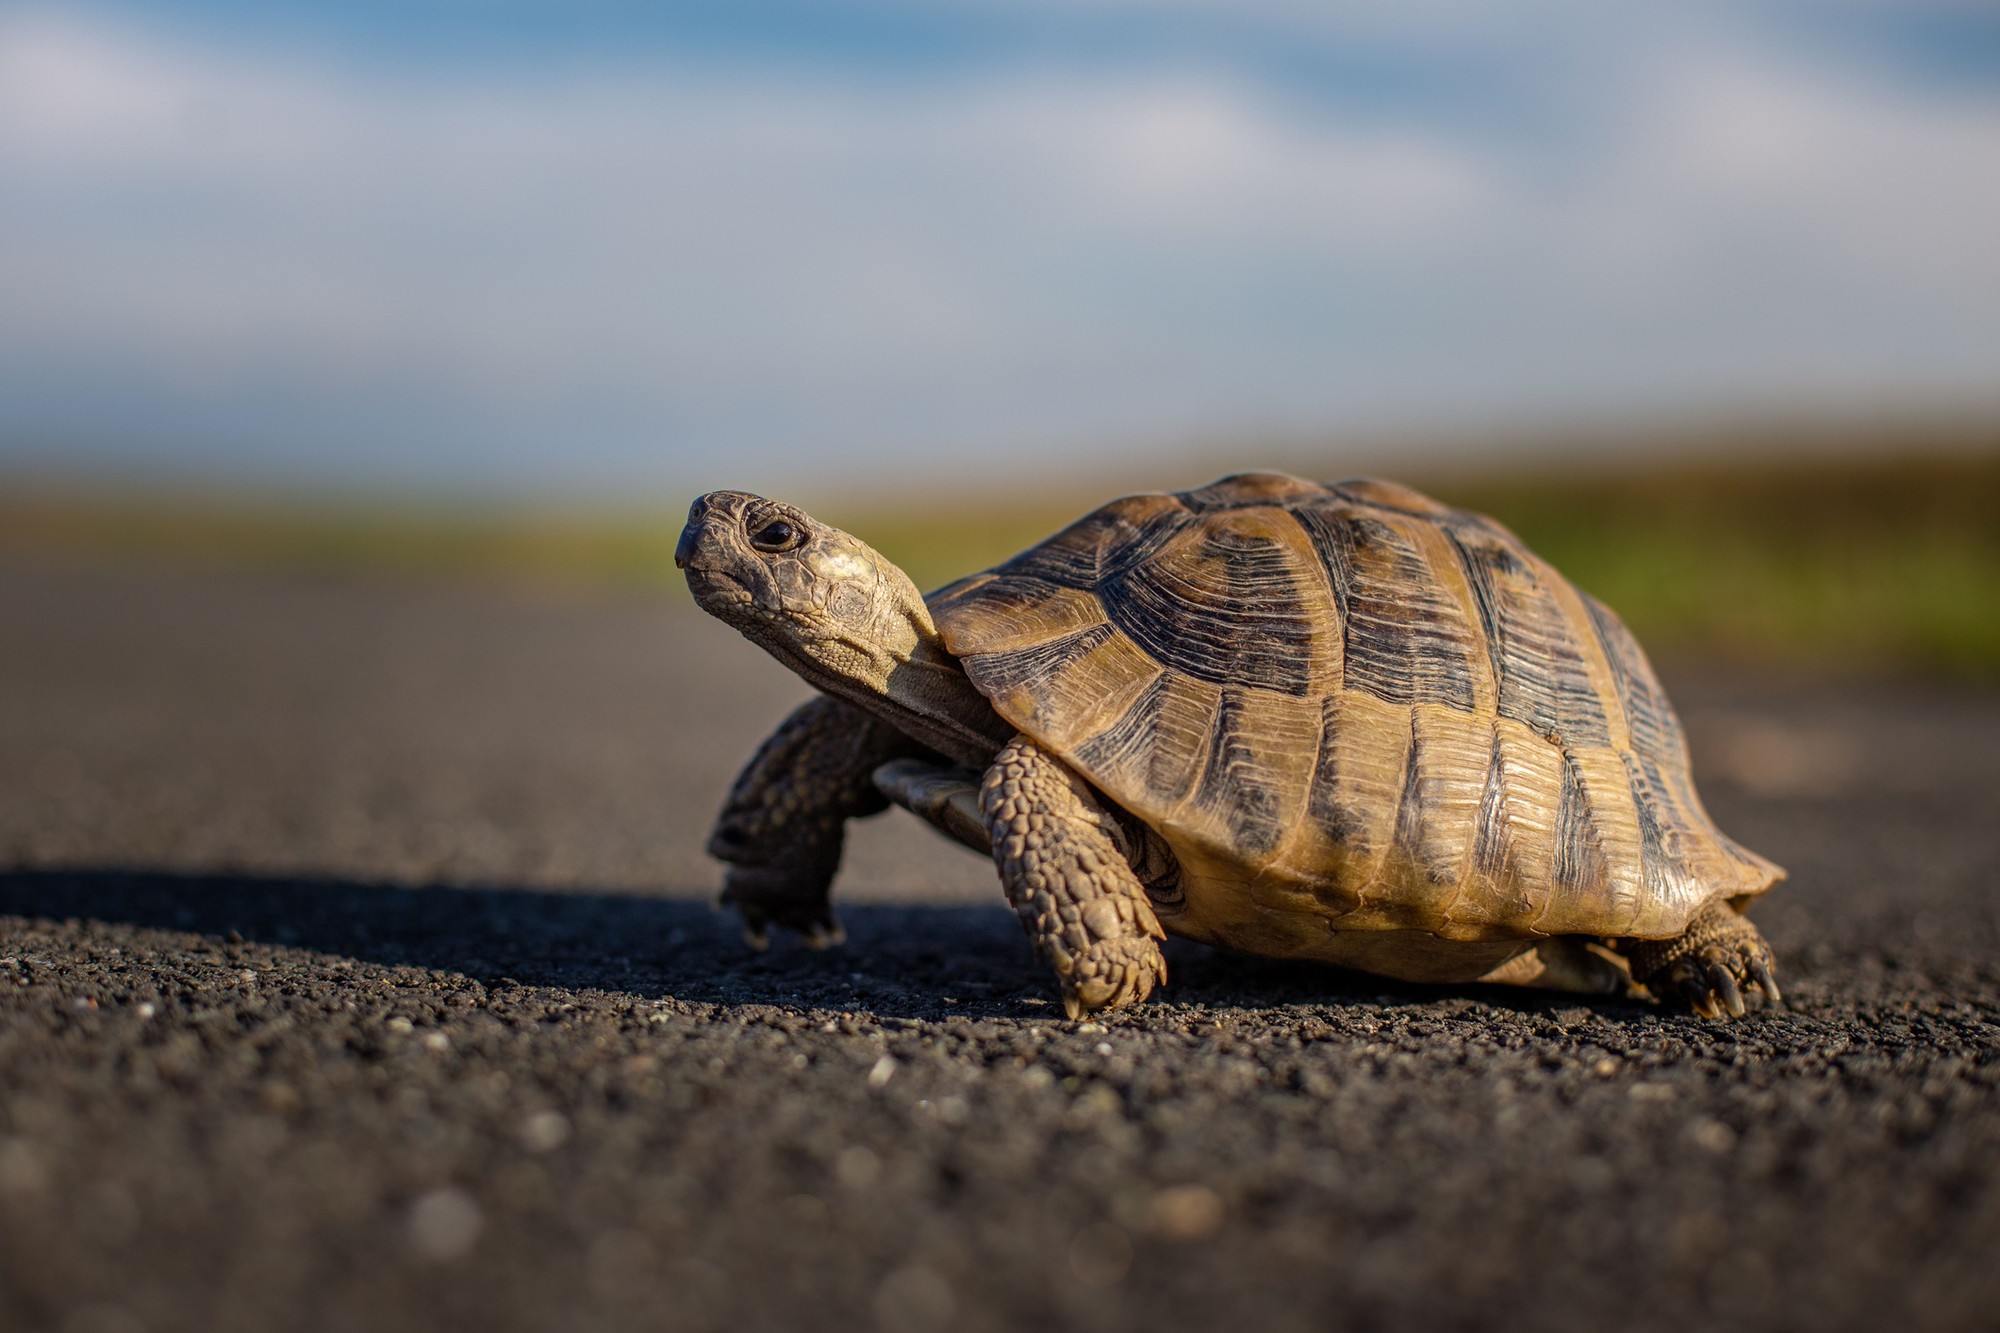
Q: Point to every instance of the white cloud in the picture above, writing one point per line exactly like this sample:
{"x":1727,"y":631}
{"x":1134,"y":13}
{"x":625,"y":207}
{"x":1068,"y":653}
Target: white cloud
{"x":603,"y":274}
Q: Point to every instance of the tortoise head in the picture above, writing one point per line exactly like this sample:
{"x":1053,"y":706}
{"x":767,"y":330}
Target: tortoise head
{"x":824,"y":603}
{"x":837,"y":612}
{"x":820,"y":600}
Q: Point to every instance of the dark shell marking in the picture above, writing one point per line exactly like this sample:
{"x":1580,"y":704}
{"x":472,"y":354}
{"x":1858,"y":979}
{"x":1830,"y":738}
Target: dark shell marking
{"x":1405,"y":639}
{"x":1390,"y":705}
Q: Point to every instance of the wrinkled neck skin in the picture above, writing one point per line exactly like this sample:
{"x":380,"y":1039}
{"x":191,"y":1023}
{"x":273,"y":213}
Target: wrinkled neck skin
{"x":902,"y":674}
{"x":841,"y":616}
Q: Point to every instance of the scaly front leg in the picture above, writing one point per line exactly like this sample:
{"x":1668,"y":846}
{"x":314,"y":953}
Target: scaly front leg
{"x":782,"y":827}
{"x":1070,"y":880}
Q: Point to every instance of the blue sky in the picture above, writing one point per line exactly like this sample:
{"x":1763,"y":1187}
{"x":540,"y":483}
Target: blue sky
{"x":599,"y":248}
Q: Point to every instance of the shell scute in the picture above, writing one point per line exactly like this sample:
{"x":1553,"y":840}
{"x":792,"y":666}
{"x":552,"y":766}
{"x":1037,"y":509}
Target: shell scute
{"x":1256,"y":776}
{"x":1513,"y":843}
{"x":1000,"y":615}
{"x":1581,"y":871}
{"x":1404,"y":638}
{"x":1071,"y":557}
{"x":1357,"y":783}
{"x":1391,"y":495}
{"x":1251,"y":488}
{"x":1066,"y":689}
{"x":1444,"y":783}
{"x":1232,"y":600}
{"x":1150,"y":758}
{"x":1600,"y":851}
{"x":1530,"y":640}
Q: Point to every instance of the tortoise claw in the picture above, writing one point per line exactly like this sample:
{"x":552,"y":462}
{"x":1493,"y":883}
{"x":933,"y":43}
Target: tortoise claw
{"x":1715,"y":979}
{"x":1709,"y":986}
{"x":1726,"y":990}
{"x":1710,"y":965}
{"x":1699,"y":998}
{"x":1760,"y":972}
{"x":824,"y":934}
{"x":765,"y":896}
{"x":756,"y":928}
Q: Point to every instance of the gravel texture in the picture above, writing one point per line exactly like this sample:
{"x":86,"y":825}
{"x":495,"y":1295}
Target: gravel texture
{"x":356,"y":972}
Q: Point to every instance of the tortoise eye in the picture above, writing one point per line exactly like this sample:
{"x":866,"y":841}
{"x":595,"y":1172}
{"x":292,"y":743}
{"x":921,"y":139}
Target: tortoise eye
{"x":777,"y":535}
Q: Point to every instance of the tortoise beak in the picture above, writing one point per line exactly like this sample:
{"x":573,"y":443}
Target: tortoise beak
{"x":699,"y":514}
{"x":716,"y":506}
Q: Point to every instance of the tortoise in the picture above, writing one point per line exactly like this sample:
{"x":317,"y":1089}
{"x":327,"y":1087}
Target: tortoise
{"x":1340,"y":722}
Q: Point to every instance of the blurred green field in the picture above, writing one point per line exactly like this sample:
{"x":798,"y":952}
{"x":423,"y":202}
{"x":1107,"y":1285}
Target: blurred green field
{"x":1859,"y":563}
{"x":1882,"y":565}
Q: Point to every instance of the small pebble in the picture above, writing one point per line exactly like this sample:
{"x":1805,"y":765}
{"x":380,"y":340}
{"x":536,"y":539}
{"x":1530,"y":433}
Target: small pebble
{"x":1712,"y":1136}
{"x":445,"y":1224}
{"x":545,"y":1131}
{"x":21,"y":1168}
{"x":857,"y":1167}
{"x":1185,"y":1213}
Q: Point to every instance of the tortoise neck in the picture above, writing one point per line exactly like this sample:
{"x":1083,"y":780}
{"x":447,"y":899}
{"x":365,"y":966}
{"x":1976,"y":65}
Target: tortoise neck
{"x":926,"y":695}
{"x":901,"y":672}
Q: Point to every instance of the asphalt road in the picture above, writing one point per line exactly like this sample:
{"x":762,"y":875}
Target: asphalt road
{"x":356,"y":972}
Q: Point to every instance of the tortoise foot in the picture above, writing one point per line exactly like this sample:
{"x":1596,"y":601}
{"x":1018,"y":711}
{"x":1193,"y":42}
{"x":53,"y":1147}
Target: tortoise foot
{"x":1109,"y":974}
{"x":764,"y":897}
{"x":1713,"y":965}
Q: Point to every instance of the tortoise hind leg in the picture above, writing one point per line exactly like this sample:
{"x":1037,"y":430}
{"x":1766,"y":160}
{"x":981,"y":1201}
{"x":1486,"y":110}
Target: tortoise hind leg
{"x":942,"y":795}
{"x":1710,"y":964}
{"x":1564,"y":963}
{"x":1062,"y":861}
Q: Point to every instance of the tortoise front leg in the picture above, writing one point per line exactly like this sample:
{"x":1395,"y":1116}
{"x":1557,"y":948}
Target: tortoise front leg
{"x":1709,"y":964}
{"x":1062,"y":862}
{"x":782,"y":827}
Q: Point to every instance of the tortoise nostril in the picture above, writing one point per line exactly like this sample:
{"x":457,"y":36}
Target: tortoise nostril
{"x":684,"y":548}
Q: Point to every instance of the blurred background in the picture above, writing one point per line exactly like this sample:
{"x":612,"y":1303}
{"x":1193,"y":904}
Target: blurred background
{"x":1705,"y":300}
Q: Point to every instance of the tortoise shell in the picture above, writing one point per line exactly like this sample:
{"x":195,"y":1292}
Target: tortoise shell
{"x":1349,"y":708}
